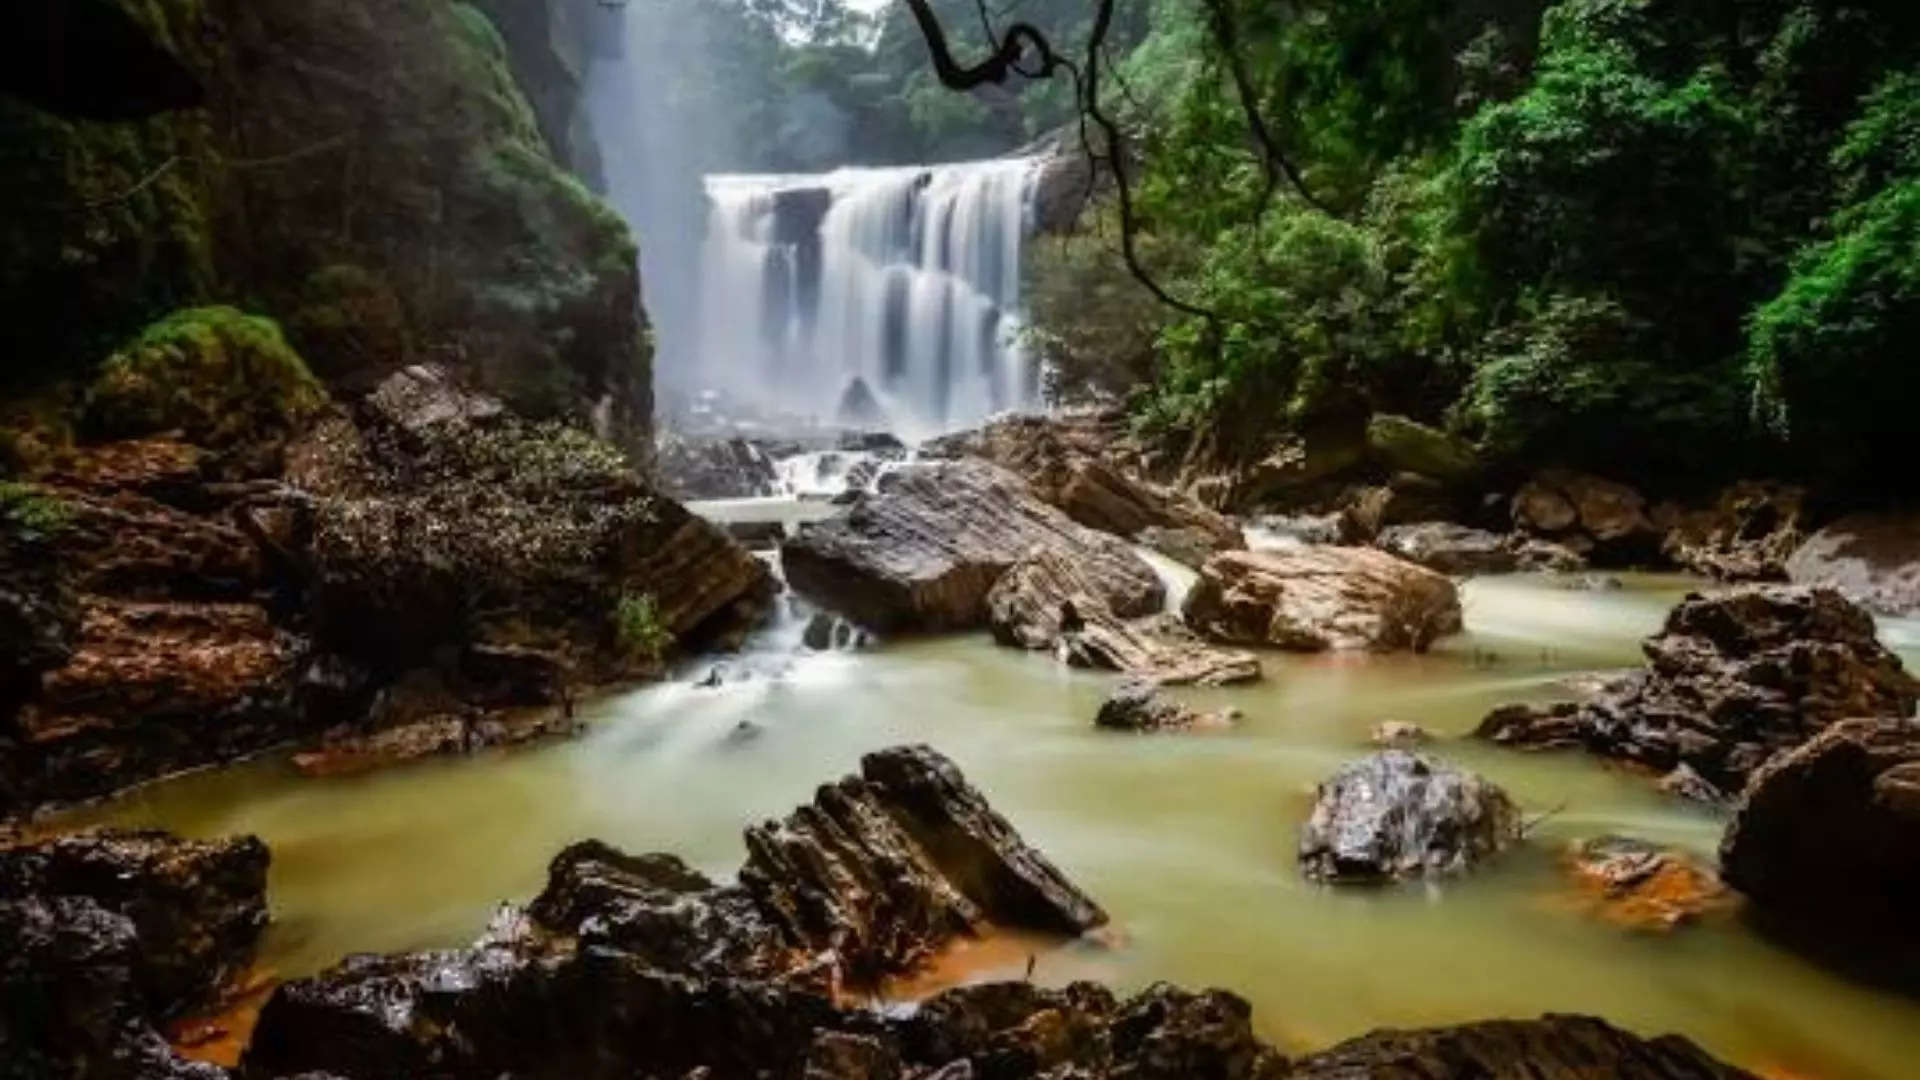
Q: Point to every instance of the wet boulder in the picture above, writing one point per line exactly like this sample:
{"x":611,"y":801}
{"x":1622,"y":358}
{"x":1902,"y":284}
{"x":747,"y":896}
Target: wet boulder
{"x":1316,"y":598}
{"x":1826,"y":840}
{"x":1138,"y":706}
{"x":1045,"y":603}
{"x":1731,"y":680}
{"x":1396,"y":814}
{"x":197,"y":908}
{"x":694,"y":468}
{"x":1873,"y":558}
{"x":1641,"y":886}
{"x":1553,"y":1047}
{"x":1065,"y":460}
{"x":923,"y":553}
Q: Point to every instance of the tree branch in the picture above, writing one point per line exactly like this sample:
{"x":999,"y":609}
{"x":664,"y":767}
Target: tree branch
{"x":1274,"y":163}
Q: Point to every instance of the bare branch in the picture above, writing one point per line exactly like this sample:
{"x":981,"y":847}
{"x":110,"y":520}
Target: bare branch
{"x":1274,"y":163}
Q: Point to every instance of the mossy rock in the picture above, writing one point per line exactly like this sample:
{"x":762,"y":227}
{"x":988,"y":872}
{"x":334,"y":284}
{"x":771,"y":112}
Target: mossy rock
{"x":350,"y":320}
{"x":1403,"y":445}
{"x":219,"y":376}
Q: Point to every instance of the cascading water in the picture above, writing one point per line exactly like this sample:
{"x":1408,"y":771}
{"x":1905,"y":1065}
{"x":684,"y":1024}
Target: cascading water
{"x":875,"y":297}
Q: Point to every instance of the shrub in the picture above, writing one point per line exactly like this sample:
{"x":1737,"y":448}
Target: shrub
{"x":219,"y":376}
{"x":638,"y":629}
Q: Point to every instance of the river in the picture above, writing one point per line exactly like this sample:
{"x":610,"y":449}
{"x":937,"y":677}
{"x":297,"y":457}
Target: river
{"x":1187,"y":840}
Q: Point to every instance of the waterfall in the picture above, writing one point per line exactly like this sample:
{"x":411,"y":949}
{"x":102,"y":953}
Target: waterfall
{"x":882,"y":297}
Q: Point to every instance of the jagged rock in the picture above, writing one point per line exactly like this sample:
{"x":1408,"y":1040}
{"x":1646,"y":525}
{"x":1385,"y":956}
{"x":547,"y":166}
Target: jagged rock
{"x":1299,"y":465}
{"x":1396,"y":814}
{"x":1747,"y":534}
{"x":164,"y":469}
{"x":153,"y":688}
{"x":1138,"y":706}
{"x":733,"y":468}
{"x":1732,"y":679}
{"x":1315,"y":598}
{"x":923,"y":553}
{"x":1873,"y":558}
{"x":1044,"y":603}
{"x":1554,"y":1047}
{"x":196,"y":908}
{"x":39,"y":615}
{"x":1458,"y":549}
{"x":419,"y":398}
{"x":1826,"y":840}
{"x":130,"y":546}
{"x":1642,"y":886}
{"x":348,"y":752}
{"x":1066,"y":466}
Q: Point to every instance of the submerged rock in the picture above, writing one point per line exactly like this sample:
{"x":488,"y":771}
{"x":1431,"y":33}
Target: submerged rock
{"x":1396,"y":815}
{"x":1398,"y":735}
{"x":1138,"y":706}
{"x":1553,"y":1047}
{"x":1826,"y":842}
{"x":923,"y":553}
{"x":1045,"y":603}
{"x":1642,"y":886}
{"x":1873,"y":558}
{"x":1733,"y":679}
{"x":1322,"y":598}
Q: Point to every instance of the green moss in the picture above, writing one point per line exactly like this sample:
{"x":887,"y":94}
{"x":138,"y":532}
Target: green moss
{"x":1405,"y":445}
{"x":638,"y":629}
{"x":216,"y":374}
{"x":31,"y":514}
{"x":349,"y":319}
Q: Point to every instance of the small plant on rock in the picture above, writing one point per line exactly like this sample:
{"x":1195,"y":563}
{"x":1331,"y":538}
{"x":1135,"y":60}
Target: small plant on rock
{"x":638,"y":628}
{"x":30,"y":514}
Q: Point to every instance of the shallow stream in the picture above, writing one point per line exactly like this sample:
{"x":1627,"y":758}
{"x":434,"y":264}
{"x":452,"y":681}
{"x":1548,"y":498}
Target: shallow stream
{"x":1187,"y":840}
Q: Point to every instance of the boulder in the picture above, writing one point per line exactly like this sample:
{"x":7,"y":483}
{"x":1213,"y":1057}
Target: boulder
{"x":1873,"y":558}
{"x":1065,"y":463}
{"x":1641,"y":886}
{"x":1138,"y":706}
{"x":1300,"y":467}
{"x":733,"y":468}
{"x":196,"y":908}
{"x":1461,"y":550}
{"x":1731,"y":680}
{"x":1553,"y":1047}
{"x":1746,"y":534}
{"x":1399,"y":444}
{"x":1396,"y":814}
{"x":1586,"y":513}
{"x":1045,"y":603}
{"x":1315,"y":598}
{"x":1826,"y":840}
{"x":923,"y":553}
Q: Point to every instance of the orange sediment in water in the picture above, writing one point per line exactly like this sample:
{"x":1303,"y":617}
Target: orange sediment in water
{"x":219,"y":1035}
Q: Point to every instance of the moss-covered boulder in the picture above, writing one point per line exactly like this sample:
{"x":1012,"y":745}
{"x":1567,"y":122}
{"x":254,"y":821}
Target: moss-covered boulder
{"x":1399,"y":444}
{"x":219,"y":376}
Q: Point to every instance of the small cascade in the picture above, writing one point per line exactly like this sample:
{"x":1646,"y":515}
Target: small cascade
{"x":872,"y":297}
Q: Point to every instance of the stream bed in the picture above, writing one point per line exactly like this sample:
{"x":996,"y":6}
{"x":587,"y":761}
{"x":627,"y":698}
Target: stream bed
{"x":1187,"y":840}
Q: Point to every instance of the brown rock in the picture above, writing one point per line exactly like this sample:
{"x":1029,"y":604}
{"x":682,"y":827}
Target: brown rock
{"x":1747,"y":534}
{"x":1577,"y":509}
{"x":131,"y":546}
{"x":1826,"y":841}
{"x":1733,"y":679}
{"x":1045,"y":603}
{"x":1066,"y":464}
{"x":924,"y":552}
{"x":1873,"y":558}
{"x":1554,"y":1047}
{"x":1460,"y":550}
{"x":1322,"y":598}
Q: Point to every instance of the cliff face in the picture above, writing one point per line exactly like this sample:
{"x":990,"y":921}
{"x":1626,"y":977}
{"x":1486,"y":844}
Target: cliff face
{"x":369,"y":172}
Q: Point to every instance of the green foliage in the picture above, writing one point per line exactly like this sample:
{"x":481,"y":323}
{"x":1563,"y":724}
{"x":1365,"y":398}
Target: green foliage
{"x":218,"y":375}
{"x":30,"y":514}
{"x":638,"y":629}
{"x":1085,"y":318}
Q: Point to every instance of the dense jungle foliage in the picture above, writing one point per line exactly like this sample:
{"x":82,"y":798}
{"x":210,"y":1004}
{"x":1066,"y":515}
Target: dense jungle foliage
{"x":1678,"y":237}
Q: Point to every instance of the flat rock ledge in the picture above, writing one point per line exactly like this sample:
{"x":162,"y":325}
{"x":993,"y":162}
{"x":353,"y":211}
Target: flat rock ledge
{"x":923,"y":552}
{"x":1396,"y":814}
{"x":1733,"y":679}
{"x":1318,"y":598}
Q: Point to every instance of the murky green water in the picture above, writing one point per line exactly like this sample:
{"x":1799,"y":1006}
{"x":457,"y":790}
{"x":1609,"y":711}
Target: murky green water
{"x":1187,"y":840}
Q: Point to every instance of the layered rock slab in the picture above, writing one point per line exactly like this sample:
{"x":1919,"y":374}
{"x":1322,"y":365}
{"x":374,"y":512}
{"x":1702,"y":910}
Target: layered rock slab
{"x":923,"y":553}
{"x":1553,"y":1047}
{"x":1045,"y":603}
{"x":1318,"y":598}
{"x":1731,"y":680}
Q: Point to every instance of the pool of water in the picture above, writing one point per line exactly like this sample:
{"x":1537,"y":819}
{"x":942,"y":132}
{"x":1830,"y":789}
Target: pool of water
{"x":1187,"y":840}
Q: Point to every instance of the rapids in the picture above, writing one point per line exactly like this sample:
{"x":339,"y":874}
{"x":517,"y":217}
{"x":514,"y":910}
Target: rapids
{"x":1187,"y":840}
